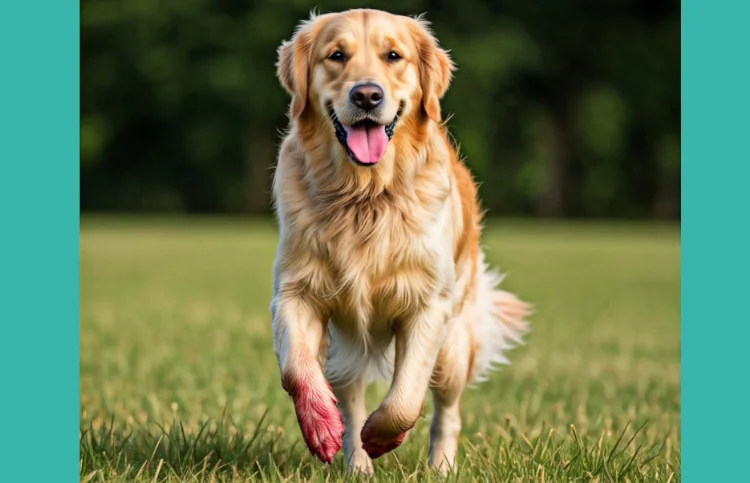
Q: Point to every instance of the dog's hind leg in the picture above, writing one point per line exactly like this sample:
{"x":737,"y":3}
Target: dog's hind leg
{"x":352,"y":402}
{"x":449,"y":380}
{"x":445,"y":429}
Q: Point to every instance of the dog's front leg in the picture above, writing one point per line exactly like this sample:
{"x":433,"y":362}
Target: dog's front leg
{"x":418,"y":342}
{"x":298,"y":331}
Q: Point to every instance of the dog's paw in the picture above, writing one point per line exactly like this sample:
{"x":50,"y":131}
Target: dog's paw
{"x":376,"y":445}
{"x":319,"y":419}
{"x":378,"y":438}
{"x":360,"y":464}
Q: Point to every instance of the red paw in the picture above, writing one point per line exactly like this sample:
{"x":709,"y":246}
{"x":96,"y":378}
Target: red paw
{"x":376,"y":447}
{"x":318,"y":417}
{"x":376,"y":441}
{"x":383,"y":433}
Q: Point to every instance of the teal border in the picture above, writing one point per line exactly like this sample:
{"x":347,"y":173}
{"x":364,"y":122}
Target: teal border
{"x":39,"y":191}
{"x":715,"y":239}
{"x":39,"y":217}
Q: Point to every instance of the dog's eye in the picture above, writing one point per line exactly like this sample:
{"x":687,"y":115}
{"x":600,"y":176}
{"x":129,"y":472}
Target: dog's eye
{"x":393,"y":56}
{"x":337,"y":56}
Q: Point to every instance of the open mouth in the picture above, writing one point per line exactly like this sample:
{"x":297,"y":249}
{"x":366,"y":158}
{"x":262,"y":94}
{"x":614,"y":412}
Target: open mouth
{"x":364,"y":141}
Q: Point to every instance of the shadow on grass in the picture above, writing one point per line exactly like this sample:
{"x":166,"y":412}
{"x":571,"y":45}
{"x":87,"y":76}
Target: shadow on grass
{"x":220,"y":451}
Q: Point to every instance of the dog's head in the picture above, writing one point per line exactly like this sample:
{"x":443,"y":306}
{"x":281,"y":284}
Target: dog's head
{"x":364,"y":72}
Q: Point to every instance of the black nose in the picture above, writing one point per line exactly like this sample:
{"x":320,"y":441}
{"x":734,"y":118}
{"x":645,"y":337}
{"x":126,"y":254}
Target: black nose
{"x":366,"y":96}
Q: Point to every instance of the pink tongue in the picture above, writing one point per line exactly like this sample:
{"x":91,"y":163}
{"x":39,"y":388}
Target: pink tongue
{"x":367,"y":142}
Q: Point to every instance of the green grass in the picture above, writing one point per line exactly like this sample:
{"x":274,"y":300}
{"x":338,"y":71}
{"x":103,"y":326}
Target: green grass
{"x":179,"y":381}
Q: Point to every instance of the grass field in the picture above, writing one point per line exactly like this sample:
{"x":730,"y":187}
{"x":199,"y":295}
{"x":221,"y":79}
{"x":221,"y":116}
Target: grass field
{"x":179,"y":381}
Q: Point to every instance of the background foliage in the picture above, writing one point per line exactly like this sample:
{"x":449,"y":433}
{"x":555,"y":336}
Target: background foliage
{"x":562,"y":108}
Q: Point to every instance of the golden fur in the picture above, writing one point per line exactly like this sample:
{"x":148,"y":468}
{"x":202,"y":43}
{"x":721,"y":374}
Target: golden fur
{"x":379,"y":268}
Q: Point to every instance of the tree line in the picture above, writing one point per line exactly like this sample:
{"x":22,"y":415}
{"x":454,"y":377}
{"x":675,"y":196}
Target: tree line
{"x":561,"y":108}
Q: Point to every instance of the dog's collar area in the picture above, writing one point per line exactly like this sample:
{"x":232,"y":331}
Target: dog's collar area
{"x":341,"y":134}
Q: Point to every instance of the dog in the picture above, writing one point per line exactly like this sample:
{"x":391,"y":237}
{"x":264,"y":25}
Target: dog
{"x":379,"y":271}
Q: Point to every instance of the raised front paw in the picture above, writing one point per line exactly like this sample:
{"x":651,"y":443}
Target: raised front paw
{"x":380,"y":435}
{"x":319,"y":418}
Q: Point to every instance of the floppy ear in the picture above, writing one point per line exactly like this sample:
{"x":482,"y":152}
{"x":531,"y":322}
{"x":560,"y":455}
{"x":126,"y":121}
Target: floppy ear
{"x":435,"y":69}
{"x":293,"y":66}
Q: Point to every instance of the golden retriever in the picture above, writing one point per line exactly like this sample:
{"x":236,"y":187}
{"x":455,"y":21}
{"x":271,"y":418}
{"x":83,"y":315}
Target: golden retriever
{"x":379,"y":269}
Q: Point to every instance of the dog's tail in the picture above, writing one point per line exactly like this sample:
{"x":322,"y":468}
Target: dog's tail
{"x":498,"y":325}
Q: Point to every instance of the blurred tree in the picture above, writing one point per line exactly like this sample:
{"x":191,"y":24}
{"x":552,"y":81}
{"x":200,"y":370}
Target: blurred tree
{"x":562,"y":108}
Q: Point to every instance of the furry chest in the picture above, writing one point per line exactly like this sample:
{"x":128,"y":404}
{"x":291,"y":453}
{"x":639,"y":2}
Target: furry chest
{"x":384,"y":277}
{"x":377,"y":259}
